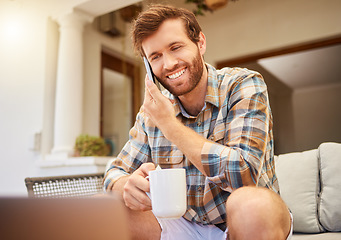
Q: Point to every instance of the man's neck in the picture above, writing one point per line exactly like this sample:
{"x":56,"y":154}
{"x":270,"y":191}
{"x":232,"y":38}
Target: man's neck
{"x":194,"y":101}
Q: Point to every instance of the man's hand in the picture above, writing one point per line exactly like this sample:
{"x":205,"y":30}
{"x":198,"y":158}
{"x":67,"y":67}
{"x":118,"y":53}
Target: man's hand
{"x":135,"y":188}
{"x":158,"y":108}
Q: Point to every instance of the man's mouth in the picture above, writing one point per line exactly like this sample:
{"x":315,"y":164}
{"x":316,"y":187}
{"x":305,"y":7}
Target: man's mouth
{"x":177,"y":74}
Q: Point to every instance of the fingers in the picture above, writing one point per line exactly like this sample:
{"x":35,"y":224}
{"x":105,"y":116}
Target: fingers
{"x":147,"y":97}
{"x":146,"y":168}
{"x":134,"y":197}
{"x":154,"y":101}
{"x":156,"y":106}
{"x":137,"y":200}
{"x":152,"y":89}
{"x":134,"y":191}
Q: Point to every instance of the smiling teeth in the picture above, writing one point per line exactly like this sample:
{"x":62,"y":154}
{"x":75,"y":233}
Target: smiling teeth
{"x":176,"y":75}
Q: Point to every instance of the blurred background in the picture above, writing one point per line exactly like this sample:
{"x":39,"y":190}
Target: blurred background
{"x":67,"y":68}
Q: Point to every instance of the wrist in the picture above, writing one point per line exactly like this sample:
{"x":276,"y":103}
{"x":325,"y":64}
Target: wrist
{"x":119,"y":183}
{"x":171,"y":127}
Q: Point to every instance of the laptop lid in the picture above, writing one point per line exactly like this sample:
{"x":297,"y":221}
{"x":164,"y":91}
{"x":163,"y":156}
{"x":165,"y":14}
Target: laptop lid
{"x":63,"y":219}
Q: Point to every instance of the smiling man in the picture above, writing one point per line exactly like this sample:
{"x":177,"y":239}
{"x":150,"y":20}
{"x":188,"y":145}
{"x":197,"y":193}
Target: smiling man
{"x":216,"y":124}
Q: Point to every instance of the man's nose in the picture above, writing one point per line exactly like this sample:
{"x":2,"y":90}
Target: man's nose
{"x":169,"y":61}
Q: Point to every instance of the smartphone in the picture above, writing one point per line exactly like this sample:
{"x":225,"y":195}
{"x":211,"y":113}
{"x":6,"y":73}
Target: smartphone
{"x":149,"y":70}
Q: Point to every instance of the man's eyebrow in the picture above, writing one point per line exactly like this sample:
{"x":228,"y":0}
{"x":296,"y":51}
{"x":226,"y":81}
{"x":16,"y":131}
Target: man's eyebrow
{"x":169,"y":45}
{"x":152,"y":54}
{"x":174,"y":43}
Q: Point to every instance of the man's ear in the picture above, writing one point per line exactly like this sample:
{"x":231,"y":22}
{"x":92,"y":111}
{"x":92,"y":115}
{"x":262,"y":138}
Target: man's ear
{"x":202,"y":43}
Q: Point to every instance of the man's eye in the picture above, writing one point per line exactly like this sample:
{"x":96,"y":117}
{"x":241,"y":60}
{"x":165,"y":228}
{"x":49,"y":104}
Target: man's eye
{"x":176,"y":48}
{"x":154,"y":57}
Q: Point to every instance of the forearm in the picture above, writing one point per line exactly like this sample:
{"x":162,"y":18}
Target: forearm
{"x":114,"y":174}
{"x":118,"y":186}
{"x":187,"y":140}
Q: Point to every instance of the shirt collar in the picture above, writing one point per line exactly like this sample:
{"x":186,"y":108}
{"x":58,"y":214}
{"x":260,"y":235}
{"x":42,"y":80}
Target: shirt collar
{"x":212,"y":94}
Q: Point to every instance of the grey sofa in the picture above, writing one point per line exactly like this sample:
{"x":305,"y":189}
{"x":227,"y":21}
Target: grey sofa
{"x":310,"y":184}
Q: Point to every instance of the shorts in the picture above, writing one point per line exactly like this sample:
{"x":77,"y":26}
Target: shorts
{"x":181,"y":229}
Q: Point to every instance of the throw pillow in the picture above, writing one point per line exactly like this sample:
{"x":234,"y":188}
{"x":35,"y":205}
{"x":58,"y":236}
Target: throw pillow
{"x":330,"y":199}
{"x":298,"y":183}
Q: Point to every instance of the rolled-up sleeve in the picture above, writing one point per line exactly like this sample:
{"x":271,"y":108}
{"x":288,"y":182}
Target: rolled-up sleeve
{"x":244,"y":125}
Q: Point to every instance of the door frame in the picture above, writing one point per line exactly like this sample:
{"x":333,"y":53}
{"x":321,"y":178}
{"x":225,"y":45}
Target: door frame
{"x":131,"y":70}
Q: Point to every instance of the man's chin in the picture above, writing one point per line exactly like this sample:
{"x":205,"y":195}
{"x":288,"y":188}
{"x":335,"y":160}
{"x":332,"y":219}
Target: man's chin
{"x":177,"y":92}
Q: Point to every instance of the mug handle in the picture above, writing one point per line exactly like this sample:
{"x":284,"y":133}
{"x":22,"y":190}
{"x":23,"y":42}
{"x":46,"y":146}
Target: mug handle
{"x":148,"y":193}
{"x":157,"y":168}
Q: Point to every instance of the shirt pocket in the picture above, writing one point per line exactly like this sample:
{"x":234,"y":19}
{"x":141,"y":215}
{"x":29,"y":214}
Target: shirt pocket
{"x":218,"y":137}
{"x":169,"y":159}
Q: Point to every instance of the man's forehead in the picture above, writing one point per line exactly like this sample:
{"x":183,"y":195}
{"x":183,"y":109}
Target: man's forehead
{"x":169,"y":32}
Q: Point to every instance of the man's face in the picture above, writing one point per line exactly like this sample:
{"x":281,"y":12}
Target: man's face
{"x":176,"y":61}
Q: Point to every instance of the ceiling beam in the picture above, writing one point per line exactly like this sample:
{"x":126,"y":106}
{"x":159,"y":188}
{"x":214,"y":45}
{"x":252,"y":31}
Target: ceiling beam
{"x":99,"y":7}
{"x":281,"y":51}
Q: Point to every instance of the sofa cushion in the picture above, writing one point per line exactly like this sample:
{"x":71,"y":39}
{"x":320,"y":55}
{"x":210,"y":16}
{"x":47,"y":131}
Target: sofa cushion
{"x":298,"y":182}
{"x":330,"y":198}
{"x":318,"y":236}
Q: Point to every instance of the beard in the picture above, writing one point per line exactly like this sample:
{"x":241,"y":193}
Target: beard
{"x":195,"y":68}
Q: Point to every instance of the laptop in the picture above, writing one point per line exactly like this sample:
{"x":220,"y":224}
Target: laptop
{"x":63,"y":219}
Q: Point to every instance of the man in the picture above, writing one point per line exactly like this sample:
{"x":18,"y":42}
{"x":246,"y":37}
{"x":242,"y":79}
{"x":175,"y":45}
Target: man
{"x":216,"y":124}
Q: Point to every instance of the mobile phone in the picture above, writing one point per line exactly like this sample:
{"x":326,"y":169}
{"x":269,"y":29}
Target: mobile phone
{"x":149,"y":70}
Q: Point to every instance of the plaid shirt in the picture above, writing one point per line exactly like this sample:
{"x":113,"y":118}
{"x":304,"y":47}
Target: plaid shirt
{"x":236,"y":119}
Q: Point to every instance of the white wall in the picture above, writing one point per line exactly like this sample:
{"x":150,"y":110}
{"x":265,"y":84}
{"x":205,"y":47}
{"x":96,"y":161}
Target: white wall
{"x":245,"y":27}
{"x":22,"y":73}
{"x":252,"y":26}
{"x":317,"y":116}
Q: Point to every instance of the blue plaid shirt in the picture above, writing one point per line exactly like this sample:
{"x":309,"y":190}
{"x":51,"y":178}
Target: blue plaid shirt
{"x":236,"y":119}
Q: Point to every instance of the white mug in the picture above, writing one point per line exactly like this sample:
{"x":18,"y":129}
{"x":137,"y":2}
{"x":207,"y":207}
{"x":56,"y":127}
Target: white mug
{"x":168,"y":192}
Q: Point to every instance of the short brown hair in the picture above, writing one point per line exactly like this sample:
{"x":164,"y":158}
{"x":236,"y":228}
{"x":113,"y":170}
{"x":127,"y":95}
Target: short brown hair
{"x":149,"y":21}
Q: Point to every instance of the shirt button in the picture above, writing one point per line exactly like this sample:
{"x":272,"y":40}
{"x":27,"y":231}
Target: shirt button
{"x":204,"y":219}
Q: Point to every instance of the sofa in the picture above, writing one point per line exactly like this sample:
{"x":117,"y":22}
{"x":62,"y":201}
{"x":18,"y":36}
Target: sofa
{"x":310,"y":184}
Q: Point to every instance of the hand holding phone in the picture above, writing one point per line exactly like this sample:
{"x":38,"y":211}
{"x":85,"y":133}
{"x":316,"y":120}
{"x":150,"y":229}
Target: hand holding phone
{"x":150,"y":73}
{"x":149,"y":70}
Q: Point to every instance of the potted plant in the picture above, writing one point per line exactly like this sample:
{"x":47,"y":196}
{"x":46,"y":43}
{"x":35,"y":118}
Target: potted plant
{"x":90,"y":146}
{"x":207,"y":5}
{"x":215,"y":4}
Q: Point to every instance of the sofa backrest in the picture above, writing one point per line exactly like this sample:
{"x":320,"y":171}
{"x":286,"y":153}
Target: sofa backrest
{"x":310,"y":184}
{"x":329,"y":202}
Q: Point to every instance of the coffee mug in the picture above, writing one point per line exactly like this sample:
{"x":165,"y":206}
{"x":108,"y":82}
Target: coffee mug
{"x":168,"y":192}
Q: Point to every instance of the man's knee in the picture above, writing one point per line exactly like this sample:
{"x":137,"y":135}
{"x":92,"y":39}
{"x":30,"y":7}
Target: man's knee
{"x":247,"y":198}
{"x":258,"y":211}
{"x":247,"y":204}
